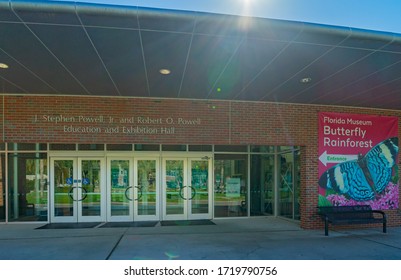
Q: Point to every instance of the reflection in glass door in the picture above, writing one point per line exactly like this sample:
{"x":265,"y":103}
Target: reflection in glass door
{"x":186,"y":186}
{"x":133,"y":189}
{"x":119,"y":180}
{"x":77,"y":188}
{"x":173,"y":185}
{"x":63,"y":186}
{"x":146,"y":204}
{"x":262,"y":185}
{"x":200,"y":201}
{"x":289,"y":185}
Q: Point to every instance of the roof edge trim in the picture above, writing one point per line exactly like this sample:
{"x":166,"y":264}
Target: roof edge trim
{"x":123,"y":10}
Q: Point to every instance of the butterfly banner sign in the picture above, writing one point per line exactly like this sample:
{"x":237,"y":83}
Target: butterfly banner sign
{"x":358,"y":160}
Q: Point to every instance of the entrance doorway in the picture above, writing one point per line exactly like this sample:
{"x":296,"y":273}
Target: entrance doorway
{"x":126,"y":189}
{"x":187,"y":185}
{"x":133,"y":189}
{"x":78,"y":187}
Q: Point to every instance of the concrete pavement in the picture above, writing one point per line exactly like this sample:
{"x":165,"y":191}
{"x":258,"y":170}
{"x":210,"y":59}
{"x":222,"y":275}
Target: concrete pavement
{"x":262,"y":238}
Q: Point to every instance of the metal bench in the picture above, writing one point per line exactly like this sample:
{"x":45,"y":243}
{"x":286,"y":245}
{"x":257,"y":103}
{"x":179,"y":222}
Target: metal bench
{"x":350,"y":215}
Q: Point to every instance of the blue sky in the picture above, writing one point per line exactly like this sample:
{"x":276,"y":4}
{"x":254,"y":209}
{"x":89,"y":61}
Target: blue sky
{"x":380,"y":15}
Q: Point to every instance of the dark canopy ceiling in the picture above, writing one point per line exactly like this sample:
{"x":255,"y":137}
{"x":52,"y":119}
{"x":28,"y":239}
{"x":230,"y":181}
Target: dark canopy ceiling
{"x":61,"y":48}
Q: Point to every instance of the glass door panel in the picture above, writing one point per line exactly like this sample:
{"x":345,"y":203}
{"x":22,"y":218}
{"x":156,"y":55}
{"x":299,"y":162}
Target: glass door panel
{"x":187,"y":189}
{"x":120,"y":190}
{"x":146,"y":189}
{"x":199,"y":196}
{"x":173,"y":181}
{"x":133,"y":189}
{"x":77,"y":190}
{"x":90,"y":192}
{"x":63,"y":186}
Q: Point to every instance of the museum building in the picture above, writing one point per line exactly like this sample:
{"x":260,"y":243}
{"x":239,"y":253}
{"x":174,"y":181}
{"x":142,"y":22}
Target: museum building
{"x":125,"y":114}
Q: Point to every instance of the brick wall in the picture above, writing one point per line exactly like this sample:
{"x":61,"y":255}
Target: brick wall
{"x":165,"y":121}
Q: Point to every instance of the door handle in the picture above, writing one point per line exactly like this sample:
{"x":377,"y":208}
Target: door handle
{"x":85,"y":194}
{"x":181,"y":194}
{"x":140,"y":192}
{"x":70,"y":193}
{"x":126,"y":193}
{"x":193,"y":192}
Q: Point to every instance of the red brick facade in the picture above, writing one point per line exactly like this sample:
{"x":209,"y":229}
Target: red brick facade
{"x":63,"y":119}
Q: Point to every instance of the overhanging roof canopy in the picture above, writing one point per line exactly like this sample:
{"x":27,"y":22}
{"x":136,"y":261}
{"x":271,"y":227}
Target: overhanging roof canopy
{"x":59,"y":48}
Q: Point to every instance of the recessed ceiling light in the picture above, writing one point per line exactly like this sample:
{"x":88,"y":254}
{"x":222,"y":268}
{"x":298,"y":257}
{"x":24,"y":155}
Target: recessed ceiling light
{"x":3,"y":66}
{"x":164,"y":71}
{"x":305,"y":80}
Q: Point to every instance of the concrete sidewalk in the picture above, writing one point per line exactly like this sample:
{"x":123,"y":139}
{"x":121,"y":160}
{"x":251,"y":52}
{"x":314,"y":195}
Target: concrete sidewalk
{"x":265,"y":238}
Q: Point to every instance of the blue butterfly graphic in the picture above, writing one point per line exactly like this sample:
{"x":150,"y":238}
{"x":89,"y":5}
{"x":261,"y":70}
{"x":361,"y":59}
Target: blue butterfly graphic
{"x":364,"y":178}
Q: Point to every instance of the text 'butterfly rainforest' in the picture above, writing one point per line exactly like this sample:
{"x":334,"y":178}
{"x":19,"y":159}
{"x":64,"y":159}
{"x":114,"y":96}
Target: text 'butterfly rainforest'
{"x":364,"y":178}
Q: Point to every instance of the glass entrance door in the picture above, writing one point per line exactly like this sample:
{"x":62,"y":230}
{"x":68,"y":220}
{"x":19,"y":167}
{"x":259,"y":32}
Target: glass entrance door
{"x":77,"y":190}
{"x":133,"y":189}
{"x":187,"y":188}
